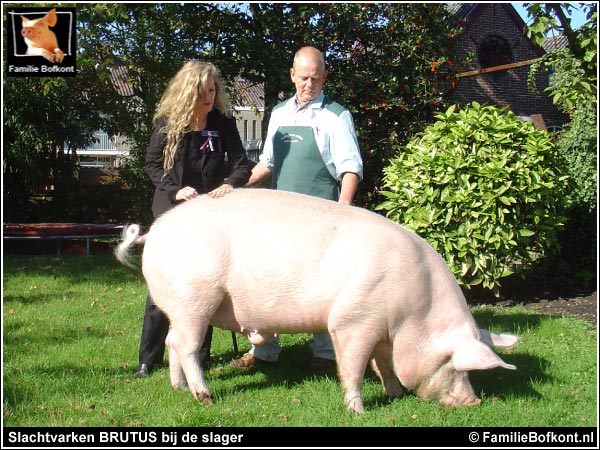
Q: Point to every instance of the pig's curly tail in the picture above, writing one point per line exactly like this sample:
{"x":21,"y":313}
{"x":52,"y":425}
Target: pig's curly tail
{"x":129,"y":237}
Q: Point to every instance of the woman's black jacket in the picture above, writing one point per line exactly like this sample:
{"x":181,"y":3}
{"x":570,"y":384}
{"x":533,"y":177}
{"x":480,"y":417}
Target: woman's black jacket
{"x":225,"y":162}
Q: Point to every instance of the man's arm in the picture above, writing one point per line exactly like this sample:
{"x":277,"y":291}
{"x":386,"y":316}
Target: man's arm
{"x":259,"y":173}
{"x":349,"y":185}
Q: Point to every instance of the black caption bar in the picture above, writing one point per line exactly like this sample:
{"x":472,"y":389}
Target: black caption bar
{"x":368,"y":437}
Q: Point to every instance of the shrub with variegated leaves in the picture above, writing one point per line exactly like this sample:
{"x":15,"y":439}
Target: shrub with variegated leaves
{"x":484,"y":188}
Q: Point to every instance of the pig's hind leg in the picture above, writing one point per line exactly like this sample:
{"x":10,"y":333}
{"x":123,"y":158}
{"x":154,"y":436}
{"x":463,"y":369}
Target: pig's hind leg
{"x":184,"y":341}
{"x":176,"y":374}
{"x":190,"y":307}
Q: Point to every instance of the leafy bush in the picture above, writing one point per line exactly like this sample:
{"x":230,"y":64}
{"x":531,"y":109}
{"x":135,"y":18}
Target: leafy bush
{"x":578,"y":240}
{"x":579,"y":145}
{"x":485,"y":189}
{"x":574,"y":90}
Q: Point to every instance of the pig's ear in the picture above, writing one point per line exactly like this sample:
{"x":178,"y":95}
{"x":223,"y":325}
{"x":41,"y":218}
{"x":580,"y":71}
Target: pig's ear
{"x":24,"y":19}
{"x":51,"y":17}
{"x":504,"y":340}
{"x":477,"y":356}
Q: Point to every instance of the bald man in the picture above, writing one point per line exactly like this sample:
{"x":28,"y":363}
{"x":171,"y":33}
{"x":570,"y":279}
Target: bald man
{"x":310,"y":148}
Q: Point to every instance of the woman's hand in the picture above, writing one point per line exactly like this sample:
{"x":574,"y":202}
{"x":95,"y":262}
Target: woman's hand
{"x":221,"y":191}
{"x":186,"y":193}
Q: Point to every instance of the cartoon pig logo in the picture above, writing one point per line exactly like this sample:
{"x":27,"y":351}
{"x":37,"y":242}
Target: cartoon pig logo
{"x":40,"y":40}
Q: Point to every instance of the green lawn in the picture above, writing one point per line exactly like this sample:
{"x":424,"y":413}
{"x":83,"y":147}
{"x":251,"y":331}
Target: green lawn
{"x":71,"y":329}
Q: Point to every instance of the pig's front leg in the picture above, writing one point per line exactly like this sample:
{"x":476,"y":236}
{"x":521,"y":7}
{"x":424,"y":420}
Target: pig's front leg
{"x":59,"y":55}
{"x":184,"y":364}
{"x":352,"y":357}
{"x":383,"y":366}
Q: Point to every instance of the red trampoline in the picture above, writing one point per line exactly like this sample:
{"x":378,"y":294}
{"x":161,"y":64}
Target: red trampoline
{"x":85,"y":231}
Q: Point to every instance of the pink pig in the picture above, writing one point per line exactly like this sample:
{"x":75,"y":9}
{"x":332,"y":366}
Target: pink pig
{"x":40,"y":40}
{"x":262,"y":262}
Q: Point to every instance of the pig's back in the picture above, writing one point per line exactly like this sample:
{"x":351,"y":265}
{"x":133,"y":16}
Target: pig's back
{"x":273,"y":218}
{"x":273,"y":229}
{"x":275,"y":253}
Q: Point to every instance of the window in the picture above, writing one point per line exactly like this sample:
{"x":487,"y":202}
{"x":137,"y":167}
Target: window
{"x":494,"y":51}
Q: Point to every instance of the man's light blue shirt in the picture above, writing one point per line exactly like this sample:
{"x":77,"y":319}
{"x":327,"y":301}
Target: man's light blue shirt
{"x":332,"y":127}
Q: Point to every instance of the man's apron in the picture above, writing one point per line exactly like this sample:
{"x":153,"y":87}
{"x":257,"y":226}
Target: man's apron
{"x":299,"y":166}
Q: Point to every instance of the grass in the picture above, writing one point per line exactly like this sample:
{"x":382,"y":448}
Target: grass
{"x":71,"y":328}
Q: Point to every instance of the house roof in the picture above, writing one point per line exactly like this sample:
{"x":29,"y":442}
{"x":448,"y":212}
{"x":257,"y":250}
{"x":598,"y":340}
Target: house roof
{"x":247,"y":93}
{"x":469,"y":12}
{"x":461,"y":11}
{"x":120,"y":80}
{"x":242,"y":92}
{"x":554,"y":43}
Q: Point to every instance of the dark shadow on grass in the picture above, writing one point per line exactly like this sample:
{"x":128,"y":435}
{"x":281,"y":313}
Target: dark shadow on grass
{"x":15,"y":394}
{"x":290,"y":370}
{"x":530,"y":368}
{"x":495,"y":383}
{"x":508,"y":323}
{"x":501,"y":383}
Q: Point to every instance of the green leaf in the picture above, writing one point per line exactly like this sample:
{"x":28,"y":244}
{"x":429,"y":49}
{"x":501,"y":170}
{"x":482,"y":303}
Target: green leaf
{"x":526,"y":233}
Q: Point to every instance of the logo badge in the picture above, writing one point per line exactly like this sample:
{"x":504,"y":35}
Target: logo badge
{"x":291,"y":138}
{"x":41,"y":42}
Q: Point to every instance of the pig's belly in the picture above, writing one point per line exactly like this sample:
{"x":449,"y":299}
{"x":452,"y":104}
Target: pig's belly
{"x":268,"y":323}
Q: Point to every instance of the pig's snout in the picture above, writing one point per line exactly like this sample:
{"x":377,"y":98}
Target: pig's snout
{"x":451,"y":401}
{"x":474,"y":402}
{"x":26,"y":32}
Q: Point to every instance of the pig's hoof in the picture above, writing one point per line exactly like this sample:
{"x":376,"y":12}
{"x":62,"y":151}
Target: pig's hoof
{"x":355,"y":405}
{"x":208,"y":401}
{"x":202,"y":395}
{"x":204,"y":398}
{"x":394,"y":390}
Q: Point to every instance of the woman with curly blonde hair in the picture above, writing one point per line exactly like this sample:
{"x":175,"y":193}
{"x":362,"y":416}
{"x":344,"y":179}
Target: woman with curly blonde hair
{"x":180,"y":106}
{"x":195,"y":149}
